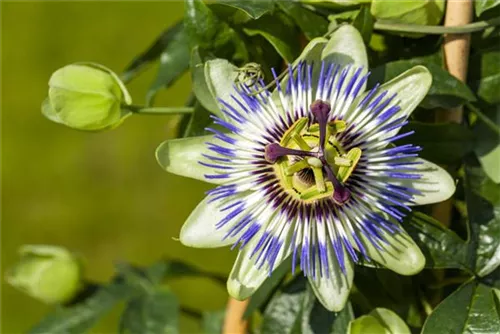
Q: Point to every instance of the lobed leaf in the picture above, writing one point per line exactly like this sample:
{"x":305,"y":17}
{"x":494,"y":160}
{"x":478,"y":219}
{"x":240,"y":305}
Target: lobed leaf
{"x":174,"y":61}
{"x":481,"y":6}
{"x":279,"y":32}
{"x":469,"y":309}
{"x":155,"y":312}
{"x":446,"y":91}
{"x":487,"y":145}
{"x":483,"y":207}
{"x":79,"y":318}
{"x":311,"y":24}
{"x":444,"y":143}
{"x":442,"y":247}
{"x":254,"y":8}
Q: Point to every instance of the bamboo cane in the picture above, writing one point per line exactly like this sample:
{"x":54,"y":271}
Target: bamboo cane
{"x":456,"y":56}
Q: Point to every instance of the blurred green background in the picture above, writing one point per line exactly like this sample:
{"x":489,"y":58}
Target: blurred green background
{"x":102,"y":195}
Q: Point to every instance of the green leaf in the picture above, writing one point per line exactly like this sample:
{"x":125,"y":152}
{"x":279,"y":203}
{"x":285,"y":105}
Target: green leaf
{"x":311,"y":24}
{"x":174,"y":61}
{"x":483,"y":207}
{"x":212,"y":322}
{"x":155,"y":312}
{"x":343,"y":16}
{"x":487,"y":146}
{"x":334,"y":4}
{"x":80,"y":317}
{"x":446,"y":91}
{"x":198,"y":121}
{"x":279,"y":32}
{"x":342,"y":320}
{"x":254,"y":8}
{"x":295,"y":310}
{"x":380,"y":320}
{"x":171,"y":269}
{"x":469,"y":309}
{"x":210,"y":33}
{"x":444,"y":143}
{"x":481,"y":6}
{"x":377,"y":287}
{"x":263,"y":293}
{"x":425,"y":12}
{"x":152,"y":53}
{"x":484,"y":74}
{"x":442,"y":247}
{"x":284,"y":313}
{"x":364,"y":23}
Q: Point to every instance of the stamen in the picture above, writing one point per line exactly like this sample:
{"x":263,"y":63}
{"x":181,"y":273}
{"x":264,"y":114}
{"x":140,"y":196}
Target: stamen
{"x":275,"y":151}
{"x":320,"y":110}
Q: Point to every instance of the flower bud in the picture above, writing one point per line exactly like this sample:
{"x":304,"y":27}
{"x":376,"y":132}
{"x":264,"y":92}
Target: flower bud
{"x":48,"y":273}
{"x":86,"y":96}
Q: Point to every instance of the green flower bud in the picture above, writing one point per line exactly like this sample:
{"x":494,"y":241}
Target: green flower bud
{"x":48,"y":273}
{"x":86,"y":96}
{"x":425,"y":12}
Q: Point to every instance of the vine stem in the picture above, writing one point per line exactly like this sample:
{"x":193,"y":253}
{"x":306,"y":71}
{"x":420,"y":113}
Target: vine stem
{"x":437,"y":30}
{"x":489,"y":123}
{"x":233,"y":321}
{"x":158,"y":110}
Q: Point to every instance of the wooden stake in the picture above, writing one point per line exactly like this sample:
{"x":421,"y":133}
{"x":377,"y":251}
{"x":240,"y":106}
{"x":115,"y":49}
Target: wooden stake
{"x":233,"y":322}
{"x":456,"y":56}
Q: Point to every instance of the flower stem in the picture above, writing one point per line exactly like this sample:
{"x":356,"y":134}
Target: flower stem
{"x":437,"y":30}
{"x":489,"y":123}
{"x":233,"y":321}
{"x":158,"y":110}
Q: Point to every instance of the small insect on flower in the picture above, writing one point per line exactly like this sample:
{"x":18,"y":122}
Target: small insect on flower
{"x":311,"y":173}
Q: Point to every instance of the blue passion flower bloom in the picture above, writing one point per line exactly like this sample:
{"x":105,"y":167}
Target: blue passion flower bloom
{"x":311,"y":173}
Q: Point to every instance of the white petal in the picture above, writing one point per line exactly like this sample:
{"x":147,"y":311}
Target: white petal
{"x":333,"y":291}
{"x":246,"y":277}
{"x":435,"y":185}
{"x":400,"y":253}
{"x":345,"y":47}
{"x":410,"y":88}
{"x":220,"y":76}
{"x":200,"y":231}
{"x":181,"y":157}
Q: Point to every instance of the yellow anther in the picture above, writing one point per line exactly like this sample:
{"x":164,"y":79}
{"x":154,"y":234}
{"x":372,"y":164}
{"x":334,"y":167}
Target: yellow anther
{"x":344,"y":172}
{"x":296,"y":128}
{"x":342,"y":161}
{"x":336,"y":126}
{"x":319,"y":179}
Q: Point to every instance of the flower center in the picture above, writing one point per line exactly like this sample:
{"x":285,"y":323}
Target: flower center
{"x":310,"y":161}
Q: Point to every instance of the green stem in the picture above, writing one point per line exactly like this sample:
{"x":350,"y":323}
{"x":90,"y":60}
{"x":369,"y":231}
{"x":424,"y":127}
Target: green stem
{"x":159,"y":110}
{"x":437,"y":30}
{"x":489,"y":123}
{"x":449,"y":281}
{"x":191,"y":312}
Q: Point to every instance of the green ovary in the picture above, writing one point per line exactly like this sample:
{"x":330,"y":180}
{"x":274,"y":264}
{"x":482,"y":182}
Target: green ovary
{"x":304,"y":177}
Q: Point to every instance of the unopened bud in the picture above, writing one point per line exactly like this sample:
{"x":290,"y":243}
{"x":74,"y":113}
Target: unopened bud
{"x":86,"y":96}
{"x":48,"y":273}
